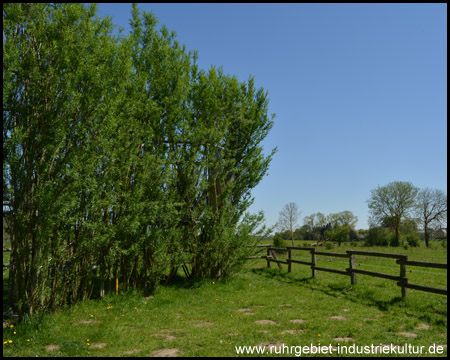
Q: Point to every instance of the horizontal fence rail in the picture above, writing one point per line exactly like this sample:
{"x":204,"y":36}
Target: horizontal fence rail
{"x":352,"y":271}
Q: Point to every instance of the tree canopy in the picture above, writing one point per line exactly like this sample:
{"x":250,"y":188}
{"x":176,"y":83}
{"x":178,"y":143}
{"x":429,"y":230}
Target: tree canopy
{"x":391,"y":204}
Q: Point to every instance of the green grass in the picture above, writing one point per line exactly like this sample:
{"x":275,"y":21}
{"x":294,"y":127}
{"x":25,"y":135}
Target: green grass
{"x":202,"y":319}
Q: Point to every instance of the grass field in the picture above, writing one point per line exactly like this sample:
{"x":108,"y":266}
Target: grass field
{"x":258,"y":306}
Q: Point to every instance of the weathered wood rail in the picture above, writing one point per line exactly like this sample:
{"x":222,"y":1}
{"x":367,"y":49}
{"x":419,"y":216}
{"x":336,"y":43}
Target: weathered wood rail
{"x":352,"y":271}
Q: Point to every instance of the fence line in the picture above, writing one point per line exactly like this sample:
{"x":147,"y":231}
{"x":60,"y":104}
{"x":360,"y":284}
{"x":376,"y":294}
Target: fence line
{"x":352,"y":271}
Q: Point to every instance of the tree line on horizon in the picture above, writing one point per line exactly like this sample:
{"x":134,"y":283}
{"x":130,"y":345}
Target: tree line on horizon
{"x":122,"y":160}
{"x":398,"y":211}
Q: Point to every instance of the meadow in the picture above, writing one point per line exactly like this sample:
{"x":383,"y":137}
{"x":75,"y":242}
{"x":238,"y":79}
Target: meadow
{"x":258,"y":306}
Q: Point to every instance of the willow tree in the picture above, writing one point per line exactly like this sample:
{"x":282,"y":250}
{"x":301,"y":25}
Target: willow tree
{"x":58,"y":64}
{"x":230,"y":121}
{"x":122,"y":160}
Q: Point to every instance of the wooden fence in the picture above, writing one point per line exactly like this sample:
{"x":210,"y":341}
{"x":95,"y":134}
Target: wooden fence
{"x":352,"y":271}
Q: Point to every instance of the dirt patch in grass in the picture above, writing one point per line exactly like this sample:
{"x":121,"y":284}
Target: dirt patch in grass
{"x":297,"y":321}
{"x":422,"y":327}
{"x":131,"y":352}
{"x":345,"y":310}
{"x":337,"y":317}
{"x":262,"y":331}
{"x":343,"y":339}
{"x":244,"y":310}
{"x":285,"y":305}
{"x":265,"y":322}
{"x":164,"y":353}
{"x":204,"y":323}
{"x":52,"y":347}
{"x":167,"y":337}
{"x":407,"y":334}
{"x":292,"y":332}
{"x":249,"y":313}
{"x":98,"y":345}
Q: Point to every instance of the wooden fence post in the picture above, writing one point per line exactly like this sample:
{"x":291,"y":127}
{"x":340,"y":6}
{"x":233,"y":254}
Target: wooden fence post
{"x":289,"y":259}
{"x":268,"y":257}
{"x":352,"y":267}
{"x":313,"y":262}
{"x":403,"y":275}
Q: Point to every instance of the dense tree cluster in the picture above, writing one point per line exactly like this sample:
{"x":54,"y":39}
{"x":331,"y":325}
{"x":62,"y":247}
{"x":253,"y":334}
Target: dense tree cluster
{"x":338,"y":227}
{"x":121,"y":158}
{"x":397,"y":210}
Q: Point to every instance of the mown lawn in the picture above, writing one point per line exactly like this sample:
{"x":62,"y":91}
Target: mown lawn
{"x":210,"y":319}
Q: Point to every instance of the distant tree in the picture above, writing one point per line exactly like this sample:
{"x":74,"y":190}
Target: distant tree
{"x":343,"y":218}
{"x":278,"y":240}
{"x":317,"y":224}
{"x":395,"y":202}
{"x":431,"y":208}
{"x":339,"y":234}
{"x":288,"y":219}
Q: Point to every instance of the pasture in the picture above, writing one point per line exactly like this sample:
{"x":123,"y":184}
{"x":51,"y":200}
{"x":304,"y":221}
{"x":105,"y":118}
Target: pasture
{"x":258,"y":306}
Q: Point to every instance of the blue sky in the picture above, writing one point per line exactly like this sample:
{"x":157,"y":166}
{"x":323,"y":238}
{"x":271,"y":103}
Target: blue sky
{"x":359,"y":92}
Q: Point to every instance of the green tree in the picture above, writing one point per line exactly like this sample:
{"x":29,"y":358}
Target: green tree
{"x":431,"y":208}
{"x":122,"y":160}
{"x":343,"y":218}
{"x":59,"y":62}
{"x":393,"y":203}
{"x":339,"y":234}
{"x":317,"y":225}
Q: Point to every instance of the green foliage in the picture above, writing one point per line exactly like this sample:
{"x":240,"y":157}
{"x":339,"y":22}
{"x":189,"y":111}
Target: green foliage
{"x":279,"y":241}
{"x":339,"y":234}
{"x":412,"y":239}
{"x":391,"y":204}
{"x":379,"y":237}
{"x":122,"y":160}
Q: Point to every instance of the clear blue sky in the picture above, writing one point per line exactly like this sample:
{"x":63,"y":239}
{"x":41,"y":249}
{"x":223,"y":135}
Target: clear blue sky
{"x":359,"y":90}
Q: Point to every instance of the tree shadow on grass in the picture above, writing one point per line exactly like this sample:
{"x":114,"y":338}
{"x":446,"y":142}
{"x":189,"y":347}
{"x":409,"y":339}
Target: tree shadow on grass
{"x":338,"y":290}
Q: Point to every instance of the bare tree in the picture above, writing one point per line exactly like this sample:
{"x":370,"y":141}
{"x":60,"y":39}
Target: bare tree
{"x":288,"y":219}
{"x":431,"y":208}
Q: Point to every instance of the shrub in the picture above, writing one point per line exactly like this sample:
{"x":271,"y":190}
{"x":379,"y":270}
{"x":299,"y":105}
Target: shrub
{"x":380,"y":237}
{"x":278,"y":241}
{"x":412,"y":239}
